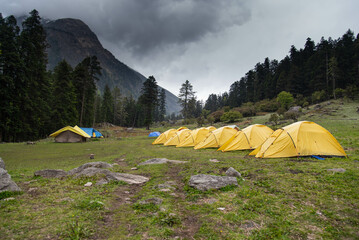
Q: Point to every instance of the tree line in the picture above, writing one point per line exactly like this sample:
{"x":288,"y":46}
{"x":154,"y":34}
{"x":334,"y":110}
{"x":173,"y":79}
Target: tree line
{"x":317,"y":72}
{"x":35,"y":102}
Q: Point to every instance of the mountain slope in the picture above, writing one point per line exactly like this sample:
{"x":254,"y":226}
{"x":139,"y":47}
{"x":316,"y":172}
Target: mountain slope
{"x":73,"y":40}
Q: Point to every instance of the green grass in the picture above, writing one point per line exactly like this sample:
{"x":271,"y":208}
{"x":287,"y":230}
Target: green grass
{"x":289,"y":198}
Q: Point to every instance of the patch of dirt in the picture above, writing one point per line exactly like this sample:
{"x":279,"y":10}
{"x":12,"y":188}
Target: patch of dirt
{"x":189,"y":222}
{"x":122,"y":195}
{"x":295,"y":171}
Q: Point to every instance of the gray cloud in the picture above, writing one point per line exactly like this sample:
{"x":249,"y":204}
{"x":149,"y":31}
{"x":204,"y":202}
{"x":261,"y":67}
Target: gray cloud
{"x":212,"y":43}
{"x":144,"y":26}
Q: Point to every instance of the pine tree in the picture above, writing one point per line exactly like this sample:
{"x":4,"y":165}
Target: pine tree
{"x":64,"y":103}
{"x":333,"y":73}
{"x":186,"y":93}
{"x":85,"y":77}
{"x":162,"y":105}
{"x":149,"y":99}
{"x":107,"y":105}
{"x":118,"y":109}
{"x":11,"y":81}
{"x":36,"y":109}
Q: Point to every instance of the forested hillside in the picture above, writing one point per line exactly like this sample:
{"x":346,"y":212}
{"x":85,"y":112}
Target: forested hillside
{"x":35,"y":102}
{"x":316,"y":72}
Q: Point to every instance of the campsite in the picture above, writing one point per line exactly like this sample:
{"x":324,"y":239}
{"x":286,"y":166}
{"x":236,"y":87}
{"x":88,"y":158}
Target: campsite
{"x":276,"y":198}
{"x":179,"y":120}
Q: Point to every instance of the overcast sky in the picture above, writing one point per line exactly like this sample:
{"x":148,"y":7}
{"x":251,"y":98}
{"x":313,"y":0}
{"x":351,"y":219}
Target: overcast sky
{"x":211,"y":43}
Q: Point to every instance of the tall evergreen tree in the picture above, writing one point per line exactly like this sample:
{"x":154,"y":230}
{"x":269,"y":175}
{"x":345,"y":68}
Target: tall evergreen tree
{"x":36,"y":109}
{"x":64,"y":97}
{"x":149,"y":99}
{"x":118,"y":109}
{"x":107,"y":105}
{"x":162,"y":105}
{"x":11,"y":81}
{"x":85,"y":77}
{"x":186,"y":93}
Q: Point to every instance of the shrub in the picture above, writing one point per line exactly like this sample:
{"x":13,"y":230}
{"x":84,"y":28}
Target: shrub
{"x":319,"y":96}
{"x":226,"y":109}
{"x":247,"y":109}
{"x":351,"y":91}
{"x":216,"y":115}
{"x":200,"y":121}
{"x":267,"y":105}
{"x":231,"y":116}
{"x":281,"y":111}
{"x":339,"y":92}
{"x":285,"y":99}
{"x":274,"y":118}
{"x":291,"y":115}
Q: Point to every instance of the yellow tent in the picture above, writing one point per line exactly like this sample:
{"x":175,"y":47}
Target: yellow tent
{"x":299,"y":139}
{"x":178,"y":137}
{"x":164,"y":137}
{"x":218,"y":137}
{"x":248,"y":138}
{"x":196,"y":136}
{"x":70,"y":134}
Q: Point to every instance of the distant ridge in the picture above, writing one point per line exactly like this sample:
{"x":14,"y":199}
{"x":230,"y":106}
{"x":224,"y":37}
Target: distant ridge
{"x":72,"y":40}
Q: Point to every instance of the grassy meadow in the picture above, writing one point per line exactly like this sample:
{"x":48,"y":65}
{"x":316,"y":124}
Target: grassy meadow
{"x":287,"y":198}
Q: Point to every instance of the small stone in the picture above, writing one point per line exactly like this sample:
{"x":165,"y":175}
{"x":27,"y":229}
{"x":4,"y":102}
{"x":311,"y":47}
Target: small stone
{"x":115,"y":164}
{"x":88,"y":184}
{"x":214,"y":160}
{"x":127,"y":199}
{"x":92,"y":156}
{"x":173,"y":194}
{"x":165,"y":190}
{"x":32,"y":190}
{"x":134,"y":168}
{"x":127,"y":192}
{"x":233,"y":172}
{"x":9,"y":199}
{"x":221,"y":208}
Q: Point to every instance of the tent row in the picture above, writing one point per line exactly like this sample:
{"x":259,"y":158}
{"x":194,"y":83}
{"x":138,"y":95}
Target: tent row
{"x":70,"y":134}
{"x":302,"y":138}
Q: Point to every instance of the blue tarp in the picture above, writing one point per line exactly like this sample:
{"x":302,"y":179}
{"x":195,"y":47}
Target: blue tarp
{"x":92,"y":132}
{"x":154,"y":134}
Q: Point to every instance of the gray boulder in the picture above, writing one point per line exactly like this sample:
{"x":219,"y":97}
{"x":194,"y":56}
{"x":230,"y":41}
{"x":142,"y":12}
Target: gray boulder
{"x":231,"y":172}
{"x":51,"y":173}
{"x":88,"y":165}
{"x":206,"y":182}
{"x":295,"y":109}
{"x":2,"y":163}
{"x":160,"y":161}
{"x":6,"y":184}
{"x":128,"y":178}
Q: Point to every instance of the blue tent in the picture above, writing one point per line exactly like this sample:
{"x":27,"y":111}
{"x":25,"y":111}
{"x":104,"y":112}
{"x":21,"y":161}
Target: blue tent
{"x":154,"y":134}
{"x":92,"y":132}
